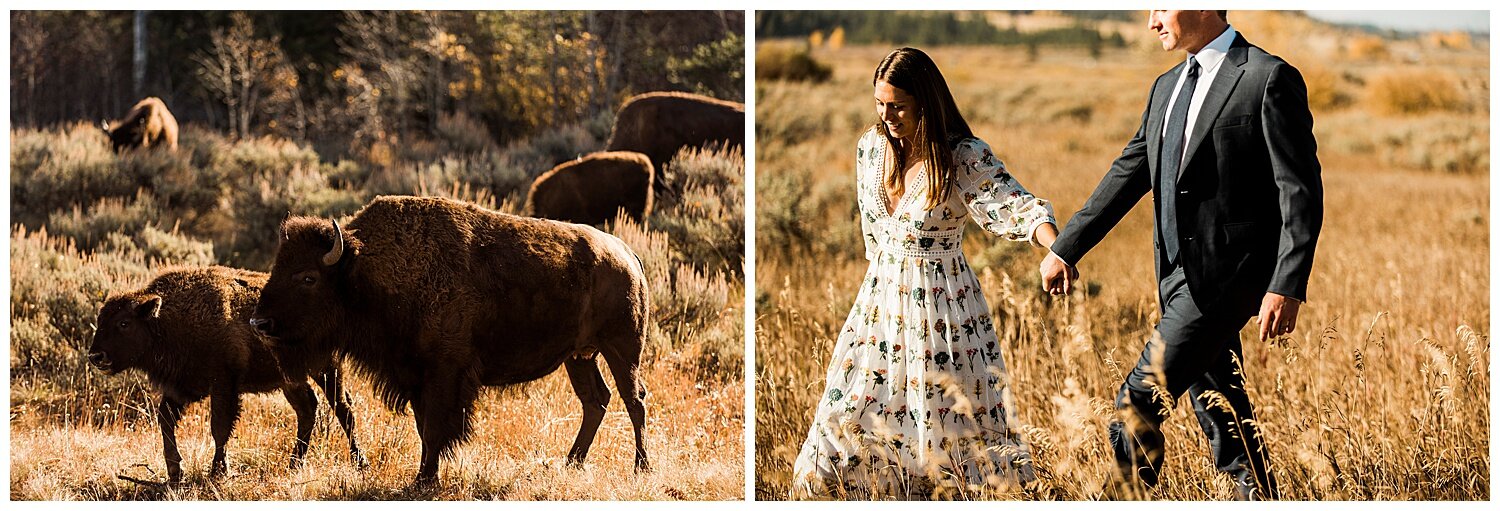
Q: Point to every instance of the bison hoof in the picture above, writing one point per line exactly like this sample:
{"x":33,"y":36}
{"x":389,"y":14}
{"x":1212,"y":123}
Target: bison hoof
{"x":360,"y":462}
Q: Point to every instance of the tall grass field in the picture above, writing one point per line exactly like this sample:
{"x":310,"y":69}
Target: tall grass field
{"x":1382,"y":393}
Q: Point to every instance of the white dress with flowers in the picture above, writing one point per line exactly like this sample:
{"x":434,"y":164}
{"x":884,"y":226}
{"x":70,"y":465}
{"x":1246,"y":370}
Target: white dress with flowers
{"x":915,"y":393}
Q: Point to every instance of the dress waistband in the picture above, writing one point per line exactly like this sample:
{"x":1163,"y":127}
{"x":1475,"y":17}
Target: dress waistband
{"x":901,"y":240}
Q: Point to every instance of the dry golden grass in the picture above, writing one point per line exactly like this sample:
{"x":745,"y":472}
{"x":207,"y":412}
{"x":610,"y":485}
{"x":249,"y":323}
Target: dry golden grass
{"x":516,"y":453}
{"x":1382,"y":392}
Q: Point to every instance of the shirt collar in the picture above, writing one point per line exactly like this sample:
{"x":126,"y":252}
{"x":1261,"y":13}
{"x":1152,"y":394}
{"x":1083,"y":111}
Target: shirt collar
{"x":1215,"y":50}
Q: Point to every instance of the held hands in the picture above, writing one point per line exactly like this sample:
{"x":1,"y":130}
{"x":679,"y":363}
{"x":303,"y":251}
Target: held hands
{"x":1278,"y":316}
{"x":1057,"y":275}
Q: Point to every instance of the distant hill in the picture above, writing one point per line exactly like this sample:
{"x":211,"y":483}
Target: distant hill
{"x":1288,"y":30}
{"x":929,"y":28}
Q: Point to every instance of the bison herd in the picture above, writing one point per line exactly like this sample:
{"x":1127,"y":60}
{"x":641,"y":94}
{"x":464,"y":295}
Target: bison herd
{"x":432,"y":299}
{"x":649,"y":129}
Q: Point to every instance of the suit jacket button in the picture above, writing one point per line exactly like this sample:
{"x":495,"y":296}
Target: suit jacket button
{"x":1182,"y":192}
{"x":1188,"y":238}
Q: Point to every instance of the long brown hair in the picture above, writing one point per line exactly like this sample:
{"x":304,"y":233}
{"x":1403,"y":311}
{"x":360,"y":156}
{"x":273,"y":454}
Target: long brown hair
{"x":939,"y":125}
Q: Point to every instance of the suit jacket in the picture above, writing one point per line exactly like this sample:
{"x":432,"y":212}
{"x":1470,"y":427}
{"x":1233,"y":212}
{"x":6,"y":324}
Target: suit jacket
{"x":1250,"y":191}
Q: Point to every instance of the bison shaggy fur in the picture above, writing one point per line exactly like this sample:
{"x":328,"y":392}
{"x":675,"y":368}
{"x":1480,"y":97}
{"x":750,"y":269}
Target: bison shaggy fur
{"x":435,"y":299}
{"x":590,"y":189}
{"x":188,"y":330}
{"x":658,"y":124}
{"x":148,"y":124}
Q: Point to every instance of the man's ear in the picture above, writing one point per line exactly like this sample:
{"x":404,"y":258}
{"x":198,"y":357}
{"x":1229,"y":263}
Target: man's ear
{"x":150,"y":308}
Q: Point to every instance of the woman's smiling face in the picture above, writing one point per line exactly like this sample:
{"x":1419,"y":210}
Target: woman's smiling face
{"x":896,"y":109}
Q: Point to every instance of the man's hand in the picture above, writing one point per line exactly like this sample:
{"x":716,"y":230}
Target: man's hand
{"x":1057,"y":275}
{"x":1278,"y":316}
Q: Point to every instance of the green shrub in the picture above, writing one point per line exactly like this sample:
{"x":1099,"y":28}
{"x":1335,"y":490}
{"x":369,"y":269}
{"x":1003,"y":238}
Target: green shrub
{"x":461,"y":133}
{"x":56,"y":292}
{"x":87,"y":227}
{"x":707,"y":222}
{"x":257,"y":213}
{"x":779,"y":63}
{"x":1415,"y":93}
{"x":265,"y":156}
{"x":714,"y":69}
{"x":57,"y":169}
{"x":692,"y":311}
{"x":173,"y":248}
{"x":540,"y":153}
{"x":788,"y":207}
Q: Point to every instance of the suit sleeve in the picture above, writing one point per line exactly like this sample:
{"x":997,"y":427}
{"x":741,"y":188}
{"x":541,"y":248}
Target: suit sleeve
{"x":1293,"y":151}
{"x":1128,"y":179}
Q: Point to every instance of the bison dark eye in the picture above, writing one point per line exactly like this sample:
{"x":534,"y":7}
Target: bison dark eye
{"x":309,"y":280}
{"x":124,"y":323}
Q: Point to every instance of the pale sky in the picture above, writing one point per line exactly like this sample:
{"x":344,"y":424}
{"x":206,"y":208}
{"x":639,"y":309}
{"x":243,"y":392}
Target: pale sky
{"x":1478,"y":21}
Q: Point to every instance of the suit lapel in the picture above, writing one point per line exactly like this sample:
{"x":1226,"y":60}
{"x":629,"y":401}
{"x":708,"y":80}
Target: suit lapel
{"x":1159,"y":100}
{"x":1218,"y":94}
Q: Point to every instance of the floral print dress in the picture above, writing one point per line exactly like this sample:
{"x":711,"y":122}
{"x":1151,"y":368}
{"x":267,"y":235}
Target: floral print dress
{"x":916,"y":394}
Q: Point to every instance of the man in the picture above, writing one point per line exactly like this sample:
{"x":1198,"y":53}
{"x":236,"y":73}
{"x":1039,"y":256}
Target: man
{"x":1226,"y":147}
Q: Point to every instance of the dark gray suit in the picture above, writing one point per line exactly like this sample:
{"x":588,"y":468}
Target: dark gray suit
{"x":1249,"y":208}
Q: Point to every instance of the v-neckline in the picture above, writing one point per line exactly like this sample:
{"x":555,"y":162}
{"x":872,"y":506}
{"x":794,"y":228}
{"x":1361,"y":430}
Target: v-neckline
{"x":885,"y":199}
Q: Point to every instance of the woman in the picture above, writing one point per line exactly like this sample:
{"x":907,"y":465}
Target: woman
{"x":916,"y":393}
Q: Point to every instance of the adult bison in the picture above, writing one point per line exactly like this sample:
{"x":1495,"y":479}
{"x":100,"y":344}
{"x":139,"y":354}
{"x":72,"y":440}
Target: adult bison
{"x":148,"y":124}
{"x":435,"y":299}
{"x":188,"y":331}
{"x":590,"y":189}
{"x":658,"y":124}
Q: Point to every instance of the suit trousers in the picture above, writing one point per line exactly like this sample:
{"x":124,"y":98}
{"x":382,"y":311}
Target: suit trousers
{"x":1198,"y":353}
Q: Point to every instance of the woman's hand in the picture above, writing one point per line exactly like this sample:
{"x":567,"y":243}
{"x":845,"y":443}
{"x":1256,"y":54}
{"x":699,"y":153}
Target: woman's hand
{"x":1046,"y":234}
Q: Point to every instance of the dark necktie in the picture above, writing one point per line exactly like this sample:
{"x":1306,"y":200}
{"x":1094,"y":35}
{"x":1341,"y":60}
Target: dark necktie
{"x":1171,"y":161}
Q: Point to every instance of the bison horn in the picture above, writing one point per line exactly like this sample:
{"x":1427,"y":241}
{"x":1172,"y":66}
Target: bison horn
{"x":333,"y":256}
{"x":104,"y":125}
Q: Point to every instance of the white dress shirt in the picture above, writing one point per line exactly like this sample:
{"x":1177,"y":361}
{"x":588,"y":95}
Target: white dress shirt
{"x":1209,"y":60}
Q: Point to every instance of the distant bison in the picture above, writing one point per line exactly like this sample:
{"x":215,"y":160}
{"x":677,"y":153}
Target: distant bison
{"x":189,"y":331}
{"x":589,"y":190}
{"x":435,"y":299}
{"x":148,"y":124}
{"x":658,"y":124}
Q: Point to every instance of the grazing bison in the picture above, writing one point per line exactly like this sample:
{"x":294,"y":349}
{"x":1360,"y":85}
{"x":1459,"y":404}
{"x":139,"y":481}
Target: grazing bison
{"x":148,"y":124}
{"x":589,"y":190}
{"x":658,"y":124}
{"x":189,"y":331}
{"x":435,"y":299}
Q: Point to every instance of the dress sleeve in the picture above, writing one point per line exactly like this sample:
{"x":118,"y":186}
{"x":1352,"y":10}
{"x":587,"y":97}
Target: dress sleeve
{"x":862,"y":183}
{"x":998,"y":202}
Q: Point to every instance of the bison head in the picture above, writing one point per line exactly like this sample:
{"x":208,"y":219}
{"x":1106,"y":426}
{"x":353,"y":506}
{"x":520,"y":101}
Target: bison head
{"x":124,"y":331}
{"x":300,"y":299}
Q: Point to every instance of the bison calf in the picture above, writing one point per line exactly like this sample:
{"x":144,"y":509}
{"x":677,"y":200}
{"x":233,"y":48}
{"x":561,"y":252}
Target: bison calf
{"x":589,"y":190}
{"x":435,"y":299}
{"x":148,"y":124}
{"x":189,"y":331}
{"x":658,"y":124}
